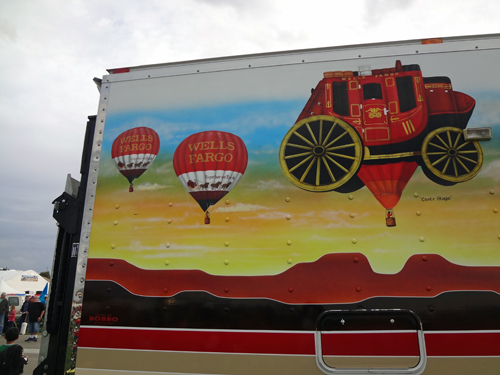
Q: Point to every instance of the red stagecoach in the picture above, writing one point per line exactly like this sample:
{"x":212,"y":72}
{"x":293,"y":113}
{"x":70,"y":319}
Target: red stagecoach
{"x":373,"y":128}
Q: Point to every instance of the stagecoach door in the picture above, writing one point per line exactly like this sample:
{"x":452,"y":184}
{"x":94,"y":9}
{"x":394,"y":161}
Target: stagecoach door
{"x":375,"y":123}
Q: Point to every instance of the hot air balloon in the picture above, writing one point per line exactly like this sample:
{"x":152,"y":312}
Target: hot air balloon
{"x":387,"y":182}
{"x":134,"y":151}
{"x":209,"y":164}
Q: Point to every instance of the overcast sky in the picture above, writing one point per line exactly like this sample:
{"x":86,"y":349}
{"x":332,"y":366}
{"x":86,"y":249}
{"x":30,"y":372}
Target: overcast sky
{"x":50,"y":50}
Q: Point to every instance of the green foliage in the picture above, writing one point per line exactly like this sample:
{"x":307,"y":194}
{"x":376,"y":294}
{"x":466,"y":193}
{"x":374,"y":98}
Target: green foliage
{"x":45,"y":274}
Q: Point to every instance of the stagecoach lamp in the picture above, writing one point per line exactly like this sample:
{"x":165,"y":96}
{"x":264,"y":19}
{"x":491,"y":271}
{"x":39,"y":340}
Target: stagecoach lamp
{"x":478,"y":134}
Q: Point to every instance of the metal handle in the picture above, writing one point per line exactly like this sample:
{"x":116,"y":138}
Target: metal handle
{"x":417,"y":370}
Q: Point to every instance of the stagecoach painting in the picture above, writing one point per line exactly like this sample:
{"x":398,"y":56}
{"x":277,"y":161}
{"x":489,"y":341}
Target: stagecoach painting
{"x":373,"y":128}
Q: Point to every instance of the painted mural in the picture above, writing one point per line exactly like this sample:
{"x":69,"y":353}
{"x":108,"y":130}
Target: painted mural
{"x":274,"y":217}
{"x":252,"y":204}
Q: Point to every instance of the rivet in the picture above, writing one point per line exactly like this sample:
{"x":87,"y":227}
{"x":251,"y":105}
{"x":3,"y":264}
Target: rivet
{"x":352,"y":215}
{"x":165,"y":290}
{"x":288,"y":217}
{"x":356,"y":260}
{"x":418,"y":213}
{"x":288,"y":242}
{"x":351,"y":197}
{"x":290,"y":289}
{"x":117,"y":206}
{"x":492,"y":192}
{"x":169,"y":221}
{"x":495,"y":210}
{"x":287,"y":199}
{"x":421,"y":239}
{"x":290,"y":261}
{"x":170,"y":204}
{"x":226,"y":243}
{"x":392,"y":321}
{"x":115,"y":222}
{"x":415,"y":195}
{"x":358,"y":289}
{"x":111,"y":264}
{"x":428,"y":288}
{"x":226,"y":290}
{"x":108,"y":290}
{"x":227,"y":218}
{"x":354,"y":241}
{"x":424,"y":258}
{"x":431,"y":308}
{"x":226,"y":309}
{"x":291,"y":309}
{"x":227,"y":201}
{"x":113,"y":246}
{"x":167,"y":244}
{"x":167,"y":262}
{"x":226,"y":262}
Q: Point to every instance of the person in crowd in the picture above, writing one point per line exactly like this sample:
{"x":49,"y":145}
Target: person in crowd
{"x":24,"y":310}
{"x":36,"y":309}
{"x":12,"y":317}
{"x":12,"y":358}
{"x":4,"y":309}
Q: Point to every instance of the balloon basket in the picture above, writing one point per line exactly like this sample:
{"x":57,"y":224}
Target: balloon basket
{"x":390,"y":221}
{"x":130,"y":189}
{"x":207,"y":217}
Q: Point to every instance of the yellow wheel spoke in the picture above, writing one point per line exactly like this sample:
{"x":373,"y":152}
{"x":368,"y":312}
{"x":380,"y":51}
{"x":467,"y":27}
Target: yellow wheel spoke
{"x":450,"y":143}
{"x":302,"y":162}
{"x":457,"y":140}
{"x":318,"y":172}
{"x":299,"y":146}
{"x":443,"y":142}
{"x":337,"y":164}
{"x":440,"y":147}
{"x":339,"y":147}
{"x":307,"y":170}
{"x":440,"y":160}
{"x":437,"y":153}
{"x":464,"y":158}
{"x":320,"y":131}
{"x":455,"y":167}
{"x":328,"y":169}
{"x":304,"y":139}
{"x":329,"y":133}
{"x":341,"y":156}
{"x":312,"y":134}
{"x":463,"y":165}
{"x":298,"y":155}
{"x":336,"y":139}
{"x":468,"y":152}
{"x":446,"y":166}
{"x":462,"y":145}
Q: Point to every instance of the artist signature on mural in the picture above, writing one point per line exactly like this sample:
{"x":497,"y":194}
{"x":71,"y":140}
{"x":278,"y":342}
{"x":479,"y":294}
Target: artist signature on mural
{"x":438,"y":198}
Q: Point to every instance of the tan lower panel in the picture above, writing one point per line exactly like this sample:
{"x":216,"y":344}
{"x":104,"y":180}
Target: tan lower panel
{"x":372,"y":362}
{"x":130,"y":362}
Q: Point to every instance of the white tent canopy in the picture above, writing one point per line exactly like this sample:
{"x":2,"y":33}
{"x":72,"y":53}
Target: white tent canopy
{"x":23,"y":282}
{"x":5,"y":288}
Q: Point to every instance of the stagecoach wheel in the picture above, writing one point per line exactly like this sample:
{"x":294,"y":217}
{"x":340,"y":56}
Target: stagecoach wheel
{"x":449,"y":157}
{"x":320,"y":153}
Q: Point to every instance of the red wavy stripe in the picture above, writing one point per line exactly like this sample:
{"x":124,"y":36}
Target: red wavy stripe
{"x":334,"y":278}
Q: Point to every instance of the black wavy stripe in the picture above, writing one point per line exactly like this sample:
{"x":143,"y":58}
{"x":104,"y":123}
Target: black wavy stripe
{"x":106,"y":303}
